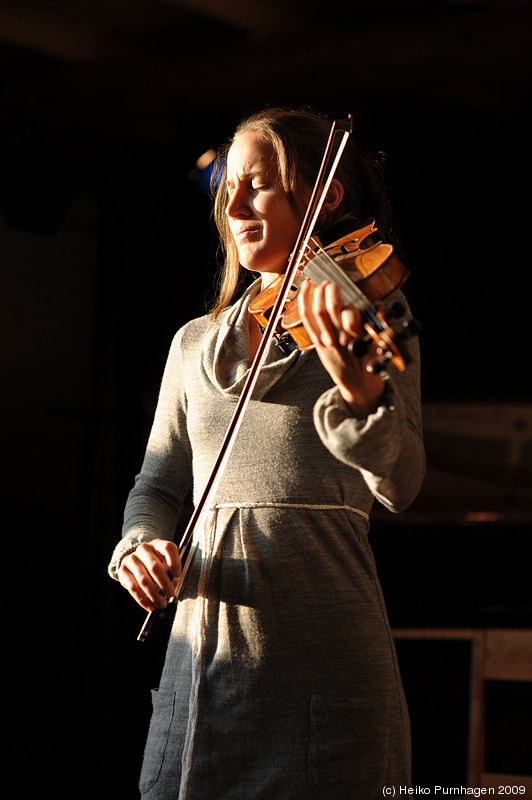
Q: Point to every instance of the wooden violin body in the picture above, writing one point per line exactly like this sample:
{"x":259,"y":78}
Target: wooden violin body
{"x":369,"y":263}
{"x":373,"y":272}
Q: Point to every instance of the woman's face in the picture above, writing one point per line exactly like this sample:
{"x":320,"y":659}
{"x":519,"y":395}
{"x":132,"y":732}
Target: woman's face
{"x":262,"y":222}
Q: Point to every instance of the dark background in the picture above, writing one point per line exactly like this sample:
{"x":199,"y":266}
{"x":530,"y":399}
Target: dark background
{"x":107,"y":248}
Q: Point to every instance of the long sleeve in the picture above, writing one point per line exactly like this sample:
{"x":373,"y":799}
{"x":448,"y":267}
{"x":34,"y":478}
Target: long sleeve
{"x":156,"y":499}
{"x":387,"y":447}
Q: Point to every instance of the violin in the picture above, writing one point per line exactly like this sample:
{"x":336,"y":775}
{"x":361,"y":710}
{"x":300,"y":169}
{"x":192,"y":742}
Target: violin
{"x":367,"y":271}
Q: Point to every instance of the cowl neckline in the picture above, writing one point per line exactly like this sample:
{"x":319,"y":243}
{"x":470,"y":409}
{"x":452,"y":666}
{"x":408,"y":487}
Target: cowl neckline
{"x":225,"y":359}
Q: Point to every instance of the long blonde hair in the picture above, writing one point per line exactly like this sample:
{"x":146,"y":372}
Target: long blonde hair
{"x":298,"y":139}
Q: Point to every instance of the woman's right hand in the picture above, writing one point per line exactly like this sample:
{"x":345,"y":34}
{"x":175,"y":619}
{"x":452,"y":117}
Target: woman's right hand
{"x":151,"y":573}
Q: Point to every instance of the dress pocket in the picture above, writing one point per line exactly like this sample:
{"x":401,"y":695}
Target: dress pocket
{"x":345,"y":749}
{"x":158,"y":744}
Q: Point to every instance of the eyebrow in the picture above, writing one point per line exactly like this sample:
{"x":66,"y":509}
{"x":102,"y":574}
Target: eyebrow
{"x":251,"y":173}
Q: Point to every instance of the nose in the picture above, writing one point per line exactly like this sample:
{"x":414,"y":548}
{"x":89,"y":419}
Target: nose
{"x":237,"y":206}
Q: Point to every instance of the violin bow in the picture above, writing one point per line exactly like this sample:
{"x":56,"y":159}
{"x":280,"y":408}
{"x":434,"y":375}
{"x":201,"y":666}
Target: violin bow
{"x":323,"y":181}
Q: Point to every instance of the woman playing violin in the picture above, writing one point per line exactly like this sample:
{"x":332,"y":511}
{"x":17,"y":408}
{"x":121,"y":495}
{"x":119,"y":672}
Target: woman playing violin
{"x":280,"y":678}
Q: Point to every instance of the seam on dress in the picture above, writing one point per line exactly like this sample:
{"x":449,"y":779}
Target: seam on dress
{"x":312,"y":506}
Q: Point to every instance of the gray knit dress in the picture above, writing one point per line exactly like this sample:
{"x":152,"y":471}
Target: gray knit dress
{"x":280,"y":680}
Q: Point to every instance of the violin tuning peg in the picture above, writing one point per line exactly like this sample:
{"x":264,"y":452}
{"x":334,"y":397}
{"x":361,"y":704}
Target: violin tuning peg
{"x":394,"y":310}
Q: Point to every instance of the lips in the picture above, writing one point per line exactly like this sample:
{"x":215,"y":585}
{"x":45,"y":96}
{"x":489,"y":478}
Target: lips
{"x":244,"y":231}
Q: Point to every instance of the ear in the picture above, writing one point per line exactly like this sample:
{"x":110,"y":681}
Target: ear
{"x":333,"y":198}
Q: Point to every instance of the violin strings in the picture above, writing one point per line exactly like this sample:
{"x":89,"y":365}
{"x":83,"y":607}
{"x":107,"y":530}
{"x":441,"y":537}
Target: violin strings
{"x":322,"y":267}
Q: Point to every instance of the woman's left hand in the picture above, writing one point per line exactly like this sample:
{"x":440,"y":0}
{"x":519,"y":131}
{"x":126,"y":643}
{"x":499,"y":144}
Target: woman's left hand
{"x":333,"y":327}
